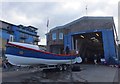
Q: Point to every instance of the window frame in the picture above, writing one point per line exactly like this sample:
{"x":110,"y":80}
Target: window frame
{"x":54,"y":36}
{"x":61,"y":35}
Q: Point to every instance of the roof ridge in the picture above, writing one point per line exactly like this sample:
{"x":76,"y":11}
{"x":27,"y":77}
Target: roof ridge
{"x":80,"y":19}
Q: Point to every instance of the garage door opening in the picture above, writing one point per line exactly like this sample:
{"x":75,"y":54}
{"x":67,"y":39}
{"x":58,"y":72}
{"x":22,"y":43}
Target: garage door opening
{"x":89,"y":45}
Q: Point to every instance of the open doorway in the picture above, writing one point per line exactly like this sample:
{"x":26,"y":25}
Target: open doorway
{"x":89,"y":45}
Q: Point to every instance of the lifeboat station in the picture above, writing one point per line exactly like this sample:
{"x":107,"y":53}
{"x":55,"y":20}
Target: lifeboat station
{"x":89,"y":35}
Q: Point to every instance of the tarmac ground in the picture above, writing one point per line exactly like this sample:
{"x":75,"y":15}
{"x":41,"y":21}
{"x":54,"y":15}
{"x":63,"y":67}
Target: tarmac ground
{"x":89,"y":73}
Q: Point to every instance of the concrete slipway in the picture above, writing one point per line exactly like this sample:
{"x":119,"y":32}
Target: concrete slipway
{"x":88,"y":73}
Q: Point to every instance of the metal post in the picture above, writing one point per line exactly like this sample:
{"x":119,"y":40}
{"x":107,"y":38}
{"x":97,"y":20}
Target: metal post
{"x":76,"y":41}
{"x":71,"y":70}
{"x":72,"y":43}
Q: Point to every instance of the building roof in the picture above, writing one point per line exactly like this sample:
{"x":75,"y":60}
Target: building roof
{"x":33,"y":27}
{"x":87,"y":21}
{"x":7,"y":23}
{"x":17,"y":25}
{"x":27,"y":27}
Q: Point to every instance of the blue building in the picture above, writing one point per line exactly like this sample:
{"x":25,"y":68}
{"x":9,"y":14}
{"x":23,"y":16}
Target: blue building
{"x":89,"y":35}
{"x":17,"y":33}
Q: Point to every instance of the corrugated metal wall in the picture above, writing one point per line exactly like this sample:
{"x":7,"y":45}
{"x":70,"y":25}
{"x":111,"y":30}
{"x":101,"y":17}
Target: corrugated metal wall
{"x":108,"y":43}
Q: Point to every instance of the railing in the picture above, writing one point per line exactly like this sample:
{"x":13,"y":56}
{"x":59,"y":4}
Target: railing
{"x":9,"y":30}
{"x":36,"y":40}
{"x":28,"y":31}
{"x":23,"y":37}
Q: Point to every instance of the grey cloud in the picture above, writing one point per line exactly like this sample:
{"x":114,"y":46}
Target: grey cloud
{"x":38,"y":12}
{"x":31,"y":10}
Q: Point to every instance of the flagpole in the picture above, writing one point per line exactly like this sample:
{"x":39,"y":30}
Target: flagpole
{"x":86,"y":10}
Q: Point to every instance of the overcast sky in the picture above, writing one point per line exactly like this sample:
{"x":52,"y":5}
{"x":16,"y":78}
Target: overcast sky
{"x":36,"y":12}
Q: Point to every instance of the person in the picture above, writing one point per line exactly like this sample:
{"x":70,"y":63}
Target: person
{"x":67,"y":50}
{"x":86,"y":59}
{"x":95,"y":59}
{"x":99,"y":58}
{"x":7,"y":40}
{"x":4,"y":60}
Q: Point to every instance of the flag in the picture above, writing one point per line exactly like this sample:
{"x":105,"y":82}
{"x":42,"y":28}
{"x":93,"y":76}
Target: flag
{"x":86,"y":7}
{"x":47,"y":22}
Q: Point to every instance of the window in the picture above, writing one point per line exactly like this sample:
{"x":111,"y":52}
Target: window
{"x":24,"y":35}
{"x":54,"y":36}
{"x":22,"y":41}
{"x":60,"y":35}
{"x":21,"y":34}
{"x":8,"y":27}
{"x":48,"y":37}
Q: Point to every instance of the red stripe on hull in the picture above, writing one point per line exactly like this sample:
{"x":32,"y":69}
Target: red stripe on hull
{"x":39,"y":50}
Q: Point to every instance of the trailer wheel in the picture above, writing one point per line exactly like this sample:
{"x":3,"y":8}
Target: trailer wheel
{"x":60,"y":67}
{"x":64,"y":67}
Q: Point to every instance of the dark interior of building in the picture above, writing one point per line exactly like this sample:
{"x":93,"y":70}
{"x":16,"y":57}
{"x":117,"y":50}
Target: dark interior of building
{"x":89,"y":45}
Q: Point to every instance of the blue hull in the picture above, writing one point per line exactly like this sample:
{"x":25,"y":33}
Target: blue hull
{"x":30,"y":53}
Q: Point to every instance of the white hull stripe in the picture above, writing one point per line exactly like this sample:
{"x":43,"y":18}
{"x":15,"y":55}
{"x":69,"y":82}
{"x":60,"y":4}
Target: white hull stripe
{"x":18,"y":60}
